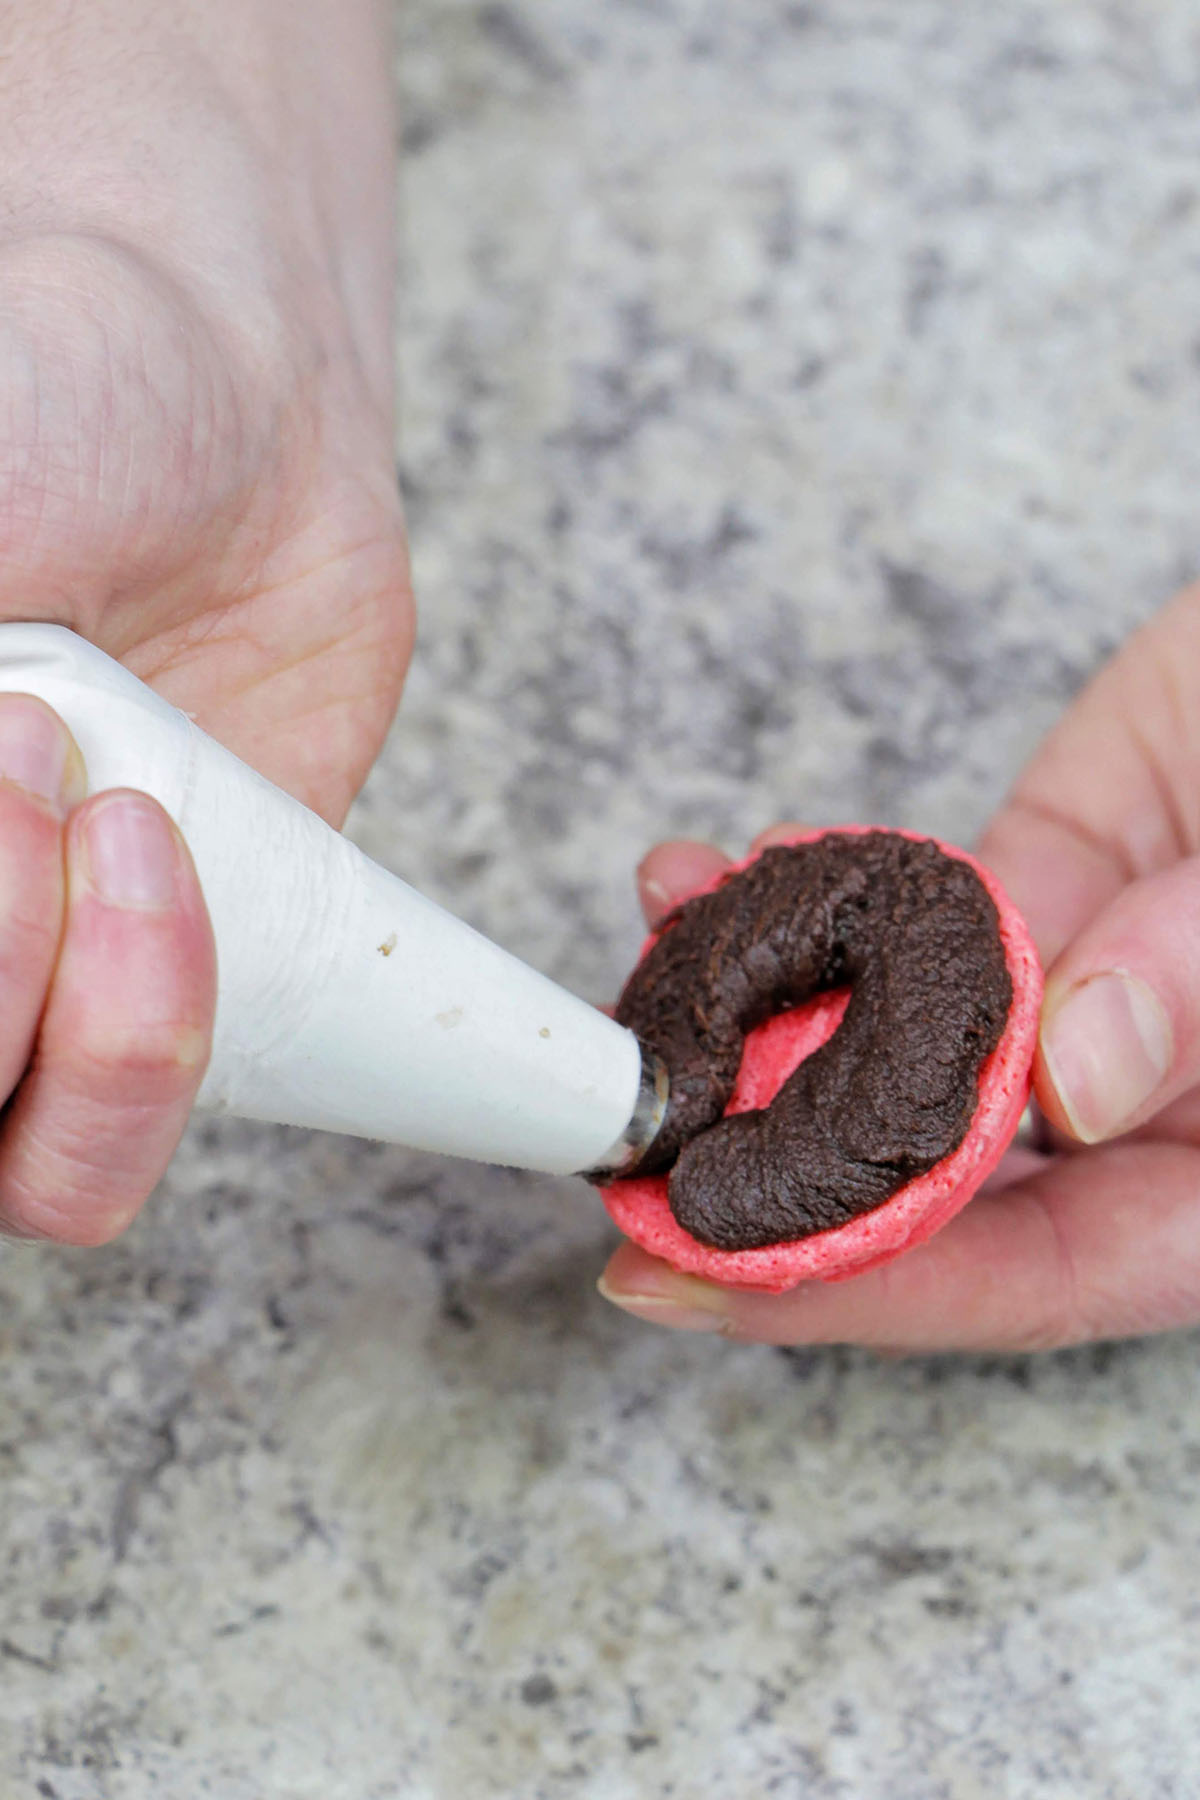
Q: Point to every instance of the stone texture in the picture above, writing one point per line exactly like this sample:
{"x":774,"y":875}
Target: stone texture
{"x":800,"y":401}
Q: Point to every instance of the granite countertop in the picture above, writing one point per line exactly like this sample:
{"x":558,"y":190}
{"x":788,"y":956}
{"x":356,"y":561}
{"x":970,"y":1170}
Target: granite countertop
{"x":800,"y":400}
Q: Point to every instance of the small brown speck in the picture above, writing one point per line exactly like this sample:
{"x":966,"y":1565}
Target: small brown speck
{"x":388,"y":945}
{"x":545,"y":1031}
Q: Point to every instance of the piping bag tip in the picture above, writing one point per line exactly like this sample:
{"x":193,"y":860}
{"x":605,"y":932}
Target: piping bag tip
{"x":650,"y":1109}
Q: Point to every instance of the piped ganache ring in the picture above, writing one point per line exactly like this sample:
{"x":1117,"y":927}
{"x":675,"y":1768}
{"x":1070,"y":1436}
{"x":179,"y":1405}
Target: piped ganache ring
{"x":849,"y":1023}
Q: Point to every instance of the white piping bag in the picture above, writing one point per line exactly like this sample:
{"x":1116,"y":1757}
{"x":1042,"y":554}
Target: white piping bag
{"x":346,"y":1000}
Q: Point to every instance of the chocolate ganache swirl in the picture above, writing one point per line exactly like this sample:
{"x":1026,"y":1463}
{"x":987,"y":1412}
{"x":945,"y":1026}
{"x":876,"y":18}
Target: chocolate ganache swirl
{"x":914,"y":934}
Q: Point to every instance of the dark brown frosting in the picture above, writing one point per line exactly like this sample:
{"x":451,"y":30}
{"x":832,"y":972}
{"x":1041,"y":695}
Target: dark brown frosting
{"x":915,"y":935}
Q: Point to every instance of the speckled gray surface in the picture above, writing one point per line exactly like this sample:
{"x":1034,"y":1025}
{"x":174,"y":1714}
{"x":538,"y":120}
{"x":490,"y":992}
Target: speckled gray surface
{"x":800,"y":400}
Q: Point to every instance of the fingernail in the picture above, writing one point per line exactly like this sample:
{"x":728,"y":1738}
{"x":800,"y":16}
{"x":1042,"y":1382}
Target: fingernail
{"x":653,"y":891}
{"x":35,"y":750}
{"x":676,"y":1301}
{"x":1107,"y":1047}
{"x":131,"y":853}
{"x":655,"y":900}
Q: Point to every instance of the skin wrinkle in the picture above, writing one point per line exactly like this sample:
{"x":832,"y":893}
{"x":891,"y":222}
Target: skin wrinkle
{"x":1109,"y":850}
{"x":1169,"y":662}
{"x":1180,"y":839}
{"x":212,"y":624}
{"x":915,"y":935}
{"x":230,"y":624}
{"x":1068,"y":1323}
{"x":20,"y":460}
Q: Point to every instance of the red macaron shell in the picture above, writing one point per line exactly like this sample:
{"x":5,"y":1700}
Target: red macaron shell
{"x":774,"y":1051}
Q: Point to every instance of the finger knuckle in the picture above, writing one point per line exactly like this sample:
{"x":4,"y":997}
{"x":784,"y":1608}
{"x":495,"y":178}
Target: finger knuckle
{"x":61,"y":1188}
{"x":155,"y":1059}
{"x":1065,"y":1313}
{"x":62,"y":1216}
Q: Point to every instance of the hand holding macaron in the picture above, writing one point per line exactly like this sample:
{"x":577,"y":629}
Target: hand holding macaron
{"x":1097,"y":1233}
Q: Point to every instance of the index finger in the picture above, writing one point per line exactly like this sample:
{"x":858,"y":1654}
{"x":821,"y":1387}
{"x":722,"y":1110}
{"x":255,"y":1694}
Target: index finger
{"x":672,"y":872}
{"x":1109,"y":796}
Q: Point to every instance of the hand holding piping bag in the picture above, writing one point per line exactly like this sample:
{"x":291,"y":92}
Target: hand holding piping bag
{"x":1096,"y":1235}
{"x":196,"y":475}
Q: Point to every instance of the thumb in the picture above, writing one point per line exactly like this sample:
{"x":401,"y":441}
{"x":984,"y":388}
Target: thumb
{"x":1109,"y":796}
{"x":1097,"y":846}
{"x":1120,"y":1034}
